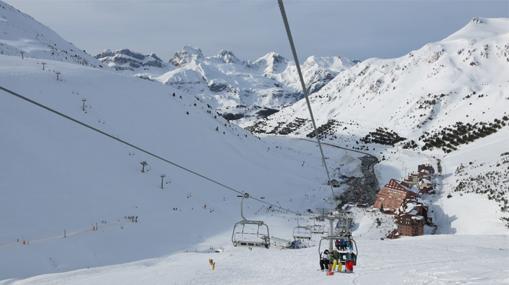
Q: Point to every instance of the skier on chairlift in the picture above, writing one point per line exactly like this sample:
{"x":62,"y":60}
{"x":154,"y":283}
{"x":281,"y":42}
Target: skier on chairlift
{"x":335,"y":263}
{"x":324,"y":261}
{"x":341,"y":244}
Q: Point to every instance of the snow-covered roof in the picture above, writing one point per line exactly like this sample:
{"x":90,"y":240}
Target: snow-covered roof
{"x":417,"y":218}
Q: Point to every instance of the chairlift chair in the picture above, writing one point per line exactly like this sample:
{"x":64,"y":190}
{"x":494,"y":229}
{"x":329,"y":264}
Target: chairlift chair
{"x":250,"y":233}
{"x":352,"y":251}
{"x":302,"y":233}
{"x":342,"y":231}
{"x":317,"y":228}
{"x":345,"y":222}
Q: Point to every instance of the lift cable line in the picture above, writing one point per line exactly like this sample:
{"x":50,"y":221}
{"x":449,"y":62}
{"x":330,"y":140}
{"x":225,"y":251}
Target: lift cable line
{"x":224,"y":186}
{"x":345,"y":233}
{"x":304,"y":90}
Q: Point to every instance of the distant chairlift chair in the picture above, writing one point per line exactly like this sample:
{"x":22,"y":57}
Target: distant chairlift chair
{"x":249,"y":232}
{"x":317,"y":229}
{"x":302,"y":233}
{"x":345,"y":222}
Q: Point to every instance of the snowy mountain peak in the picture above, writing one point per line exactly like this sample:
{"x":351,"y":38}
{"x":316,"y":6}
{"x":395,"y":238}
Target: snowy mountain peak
{"x":481,"y":28}
{"x":271,"y":58}
{"x":272,"y":62}
{"x":23,"y":36}
{"x":126,"y":59}
{"x":335,"y":63}
{"x":186,"y":55}
{"x":227,"y":56}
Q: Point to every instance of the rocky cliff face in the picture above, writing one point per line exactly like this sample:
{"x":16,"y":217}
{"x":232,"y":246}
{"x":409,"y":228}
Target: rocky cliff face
{"x":126,"y":59}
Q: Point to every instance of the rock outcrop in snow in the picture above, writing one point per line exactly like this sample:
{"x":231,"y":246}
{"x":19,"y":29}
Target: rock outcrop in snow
{"x":126,"y":59}
{"x":271,"y":63}
{"x":186,"y":55}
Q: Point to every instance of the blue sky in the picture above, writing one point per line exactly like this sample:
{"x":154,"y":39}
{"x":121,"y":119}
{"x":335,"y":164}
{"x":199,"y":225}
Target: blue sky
{"x":250,"y":28}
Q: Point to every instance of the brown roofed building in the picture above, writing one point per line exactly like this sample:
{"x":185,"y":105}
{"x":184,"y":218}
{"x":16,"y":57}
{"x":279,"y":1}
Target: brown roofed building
{"x":409,"y":225}
{"x":411,"y":218}
{"x":392,"y":196}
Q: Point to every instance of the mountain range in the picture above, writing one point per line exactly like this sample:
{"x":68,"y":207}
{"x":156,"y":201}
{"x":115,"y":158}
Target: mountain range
{"x":240,"y":90}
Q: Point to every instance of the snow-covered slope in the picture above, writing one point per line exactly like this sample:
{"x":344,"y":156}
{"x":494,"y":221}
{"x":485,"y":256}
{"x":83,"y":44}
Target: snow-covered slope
{"x":477,"y":186}
{"x":74,"y":199}
{"x":21,"y":35}
{"x":440,"y":259}
{"x":57,"y":176}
